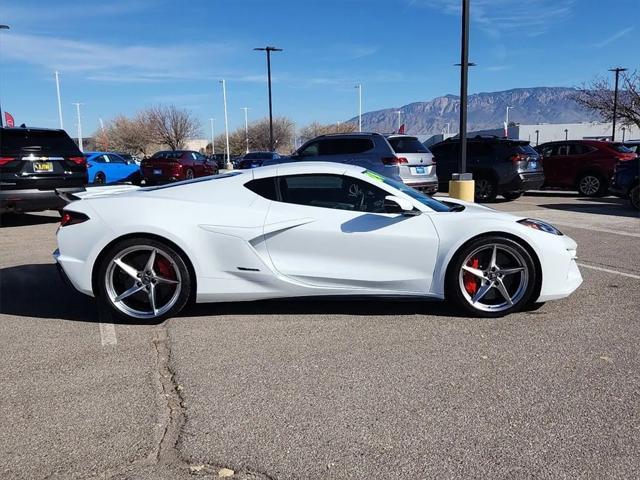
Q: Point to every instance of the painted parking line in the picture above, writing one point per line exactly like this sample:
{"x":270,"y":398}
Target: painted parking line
{"x":108,"y":334}
{"x":608,"y":270}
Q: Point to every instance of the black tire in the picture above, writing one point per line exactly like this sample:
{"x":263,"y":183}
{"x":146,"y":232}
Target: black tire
{"x":104,"y":288}
{"x":634,"y":197}
{"x":512,"y":195}
{"x":592,"y":185}
{"x":99,"y":179}
{"x":486,"y":189}
{"x":523,"y":286}
{"x":189,"y":174}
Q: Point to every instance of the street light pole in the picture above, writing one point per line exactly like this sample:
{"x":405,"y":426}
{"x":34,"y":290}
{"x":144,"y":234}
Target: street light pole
{"x":566,"y":134}
{"x":59,"y":102}
{"x":624,"y":129}
{"x":229,"y":165}
{"x":2,"y":27}
{"x":506,"y":123}
{"x":77,"y":104}
{"x":359,"y":87}
{"x":537,"y":137}
{"x":246,"y":127}
{"x":399,"y":112}
{"x":269,"y":50}
{"x":617,"y":71}
{"x":464,"y":79}
{"x":213,"y":139}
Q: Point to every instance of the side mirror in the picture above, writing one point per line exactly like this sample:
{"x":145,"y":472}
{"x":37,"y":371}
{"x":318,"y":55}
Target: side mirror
{"x":393,"y":204}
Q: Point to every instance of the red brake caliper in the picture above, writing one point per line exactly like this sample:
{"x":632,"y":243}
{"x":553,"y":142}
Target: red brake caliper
{"x":470,"y":280}
{"x":164,"y":269}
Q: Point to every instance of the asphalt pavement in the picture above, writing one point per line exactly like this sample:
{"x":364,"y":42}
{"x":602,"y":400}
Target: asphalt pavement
{"x":344,"y":389}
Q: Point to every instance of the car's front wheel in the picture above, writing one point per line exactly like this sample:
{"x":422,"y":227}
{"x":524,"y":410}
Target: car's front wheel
{"x":634,"y":197}
{"x":143,"y":279}
{"x":491,"y":277}
{"x":592,"y":185}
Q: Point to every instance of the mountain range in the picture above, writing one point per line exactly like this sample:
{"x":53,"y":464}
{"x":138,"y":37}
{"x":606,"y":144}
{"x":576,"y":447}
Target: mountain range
{"x":485,"y":111}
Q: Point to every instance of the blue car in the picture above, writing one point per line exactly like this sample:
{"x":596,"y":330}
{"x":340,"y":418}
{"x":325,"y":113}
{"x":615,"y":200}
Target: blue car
{"x":106,"y":167}
{"x":625,"y":182}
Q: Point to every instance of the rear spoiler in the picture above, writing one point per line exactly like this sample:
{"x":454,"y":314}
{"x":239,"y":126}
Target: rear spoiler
{"x":78,"y":193}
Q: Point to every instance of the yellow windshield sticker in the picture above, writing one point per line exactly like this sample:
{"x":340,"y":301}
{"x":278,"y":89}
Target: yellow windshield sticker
{"x":374,"y":175}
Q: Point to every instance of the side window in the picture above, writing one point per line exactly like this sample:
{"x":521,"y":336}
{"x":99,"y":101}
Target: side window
{"x":547,"y":151}
{"x":104,"y":159}
{"x":311,"y":150}
{"x":116,"y":159}
{"x":479,"y":149}
{"x":265,"y":187}
{"x":562,"y":150}
{"x":332,"y":191}
{"x":198,"y":157}
{"x":579,"y":149}
{"x":345,"y":146}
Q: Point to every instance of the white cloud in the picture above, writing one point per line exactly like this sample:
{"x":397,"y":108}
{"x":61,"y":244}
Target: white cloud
{"x":109,"y":62}
{"x":619,"y":34}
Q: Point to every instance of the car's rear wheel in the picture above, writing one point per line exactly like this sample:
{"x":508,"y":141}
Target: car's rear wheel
{"x":512,"y":195}
{"x":99,"y":179}
{"x":592,"y":185}
{"x":486,"y":189}
{"x":189,"y":174}
{"x":491,"y":277}
{"x":634,"y":197}
{"x":143,"y":279}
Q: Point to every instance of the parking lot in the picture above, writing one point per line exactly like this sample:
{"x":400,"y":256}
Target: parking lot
{"x":327,"y":389}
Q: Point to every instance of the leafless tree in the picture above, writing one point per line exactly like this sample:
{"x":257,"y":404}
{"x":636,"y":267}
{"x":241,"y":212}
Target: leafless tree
{"x":258,"y":137}
{"x":171,"y":126}
{"x":598,"y":95}
{"x":315,"y":129}
{"x":130,"y":135}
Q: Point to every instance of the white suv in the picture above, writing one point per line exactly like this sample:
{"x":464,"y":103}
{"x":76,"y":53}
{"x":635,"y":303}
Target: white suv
{"x":417,"y":164}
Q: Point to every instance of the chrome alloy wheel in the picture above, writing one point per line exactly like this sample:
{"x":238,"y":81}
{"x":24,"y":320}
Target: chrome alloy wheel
{"x":589,"y":185}
{"x":494,"y":277}
{"x":143,"y":281}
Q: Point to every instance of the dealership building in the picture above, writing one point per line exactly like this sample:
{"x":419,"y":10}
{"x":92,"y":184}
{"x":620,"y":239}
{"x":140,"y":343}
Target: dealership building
{"x":548,"y":132}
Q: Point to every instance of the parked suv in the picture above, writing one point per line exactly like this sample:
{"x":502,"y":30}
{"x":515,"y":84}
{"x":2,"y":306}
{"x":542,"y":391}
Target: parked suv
{"x":368,"y":150}
{"x":625,"y":182}
{"x":416,"y":162}
{"x":256,"y":159}
{"x":586,"y":165}
{"x":33,"y":163}
{"x":500,"y":166}
{"x":170,"y":165}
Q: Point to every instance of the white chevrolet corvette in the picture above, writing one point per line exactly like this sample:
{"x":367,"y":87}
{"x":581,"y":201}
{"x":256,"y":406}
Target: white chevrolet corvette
{"x":305,"y":229}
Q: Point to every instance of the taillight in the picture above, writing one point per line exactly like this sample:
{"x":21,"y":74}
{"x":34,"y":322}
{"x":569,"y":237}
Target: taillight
{"x":433,"y":160}
{"x":5,"y":160}
{"x":72,"y":218}
{"x":394,"y":160}
{"x":78,"y":160}
{"x":518,"y":157}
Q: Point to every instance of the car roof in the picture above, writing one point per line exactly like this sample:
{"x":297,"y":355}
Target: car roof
{"x":33,"y":129}
{"x":307,"y":167}
{"x":585,"y":141}
{"x":347,"y":134}
{"x":400,"y":135}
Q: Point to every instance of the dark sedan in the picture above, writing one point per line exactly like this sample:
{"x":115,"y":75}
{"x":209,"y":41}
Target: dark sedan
{"x":256,"y":159}
{"x":625,"y":183}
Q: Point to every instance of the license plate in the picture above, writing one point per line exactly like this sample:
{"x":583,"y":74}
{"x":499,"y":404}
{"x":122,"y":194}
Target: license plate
{"x":157,"y":171}
{"x":419,"y":171}
{"x":533,"y":165}
{"x":42,"y":167}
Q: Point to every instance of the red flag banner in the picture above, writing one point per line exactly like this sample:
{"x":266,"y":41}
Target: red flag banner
{"x":401,"y":129}
{"x":8,"y":118}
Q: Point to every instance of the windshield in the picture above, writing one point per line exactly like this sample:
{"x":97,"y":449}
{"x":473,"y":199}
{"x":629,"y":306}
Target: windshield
{"x":412,"y":192}
{"x":407,"y":145}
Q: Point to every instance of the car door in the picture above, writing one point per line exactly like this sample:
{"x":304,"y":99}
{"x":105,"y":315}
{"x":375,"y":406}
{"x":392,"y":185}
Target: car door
{"x":118,"y":168}
{"x":331,"y":231}
{"x":556,"y":165}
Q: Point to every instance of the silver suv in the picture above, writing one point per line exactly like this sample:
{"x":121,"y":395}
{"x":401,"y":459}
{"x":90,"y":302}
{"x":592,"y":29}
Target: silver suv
{"x":416,"y":162}
{"x":368,"y":150}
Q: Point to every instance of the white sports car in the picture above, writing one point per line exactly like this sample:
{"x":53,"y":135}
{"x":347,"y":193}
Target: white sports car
{"x":304,"y":229}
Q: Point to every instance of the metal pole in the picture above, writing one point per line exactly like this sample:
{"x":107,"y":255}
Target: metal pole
{"x":79,"y":125}
{"x":537,"y":137}
{"x":2,"y":27}
{"x":566,"y":134}
{"x":617,"y":71}
{"x":623,"y":132}
{"x":229,"y":165}
{"x":213,"y":139}
{"x":399,"y":124}
{"x":359,"y":87}
{"x":464,"y":77}
{"x":269,"y":50}
{"x":59,"y":102}
{"x":246,"y":127}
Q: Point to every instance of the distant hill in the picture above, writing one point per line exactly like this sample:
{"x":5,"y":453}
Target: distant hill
{"x":485,"y":110}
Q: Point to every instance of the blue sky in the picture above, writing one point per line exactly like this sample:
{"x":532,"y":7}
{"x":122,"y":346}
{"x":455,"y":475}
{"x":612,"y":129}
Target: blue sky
{"x":122,"y":55}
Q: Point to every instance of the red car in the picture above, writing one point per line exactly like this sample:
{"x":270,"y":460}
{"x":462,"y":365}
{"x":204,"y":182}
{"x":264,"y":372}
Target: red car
{"x":171,"y":165}
{"x":585,"y":165}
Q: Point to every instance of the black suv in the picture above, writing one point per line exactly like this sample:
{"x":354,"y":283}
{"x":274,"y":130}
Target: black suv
{"x":500,"y":166}
{"x":33,"y":163}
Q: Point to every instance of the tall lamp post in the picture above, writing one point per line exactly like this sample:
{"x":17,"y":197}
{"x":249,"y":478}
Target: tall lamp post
{"x":77,"y":104}
{"x":246,"y":126}
{"x":624,"y":129}
{"x":213,"y":138}
{"x":2,"y":27}
{"x":228,"y":165}
{"x":269,"y":50}
{"x":399,"y":112}
{"x":359,"y":87}
{"x":617,"y":71}
{"x":537,"y":137}
{"x":462,"y":186}
{"x":506,"y":122}
{"x":566,"y":134}
{"x":57,"y":75}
